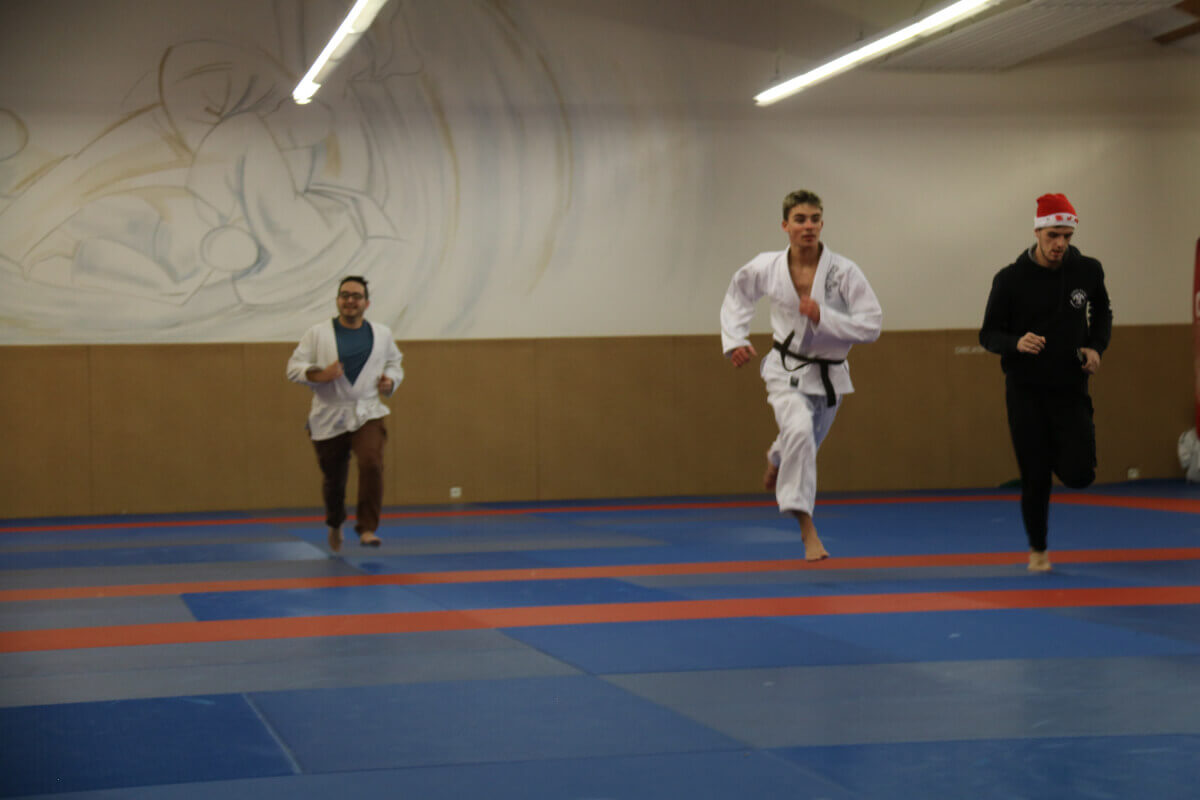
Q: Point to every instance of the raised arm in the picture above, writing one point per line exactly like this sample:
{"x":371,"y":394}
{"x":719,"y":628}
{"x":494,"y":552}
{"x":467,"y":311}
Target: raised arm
{"x":862,"y":321}
{"x":303,"y":368}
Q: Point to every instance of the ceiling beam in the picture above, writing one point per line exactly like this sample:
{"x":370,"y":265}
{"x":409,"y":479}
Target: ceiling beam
{"x":1178,"y":33}
{"x":1184,"y":31}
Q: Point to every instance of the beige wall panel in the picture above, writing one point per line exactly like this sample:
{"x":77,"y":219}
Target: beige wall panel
{"x":280,"y":464}
{"x":1145,"y":399}
{"x":168,"y":429}
{"x":465,"y":416}
{"x":607,"y":424}
{"x":45,"y":458}
{"x":723,"y":422}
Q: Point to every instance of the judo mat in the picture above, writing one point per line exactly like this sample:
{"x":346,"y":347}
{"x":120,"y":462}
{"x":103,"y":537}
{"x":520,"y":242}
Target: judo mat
{"x":635,"y":649}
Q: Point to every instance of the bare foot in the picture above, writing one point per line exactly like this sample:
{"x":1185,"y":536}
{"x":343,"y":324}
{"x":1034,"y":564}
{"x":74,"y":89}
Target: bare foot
{"x":814,"y":550}
{"x":335,"y":539}
{"x":368,"y":539}
{"x":1039,"y":561}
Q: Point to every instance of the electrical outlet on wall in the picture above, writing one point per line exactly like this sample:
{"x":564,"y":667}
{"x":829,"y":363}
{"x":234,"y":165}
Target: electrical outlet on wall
{"x":455,"y":492}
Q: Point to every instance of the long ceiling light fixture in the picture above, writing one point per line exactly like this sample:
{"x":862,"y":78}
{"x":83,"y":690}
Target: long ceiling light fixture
{"x":873,"y":49}
{"x":355,"y":25}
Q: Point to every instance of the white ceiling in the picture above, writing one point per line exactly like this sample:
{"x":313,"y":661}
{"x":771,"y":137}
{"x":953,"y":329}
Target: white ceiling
{"x":1018,"y":32}
{"x":804,"y":32}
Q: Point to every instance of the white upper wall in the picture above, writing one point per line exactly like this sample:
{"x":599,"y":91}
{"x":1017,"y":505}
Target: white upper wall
{"x":549,"y":171}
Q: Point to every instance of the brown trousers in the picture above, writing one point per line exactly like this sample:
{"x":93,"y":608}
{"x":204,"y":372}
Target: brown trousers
{"x":333,"y":456}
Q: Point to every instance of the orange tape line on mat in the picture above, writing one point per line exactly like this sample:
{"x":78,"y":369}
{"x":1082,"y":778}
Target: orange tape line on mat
{"x":411,"y":622}
{"x":578,"y":573}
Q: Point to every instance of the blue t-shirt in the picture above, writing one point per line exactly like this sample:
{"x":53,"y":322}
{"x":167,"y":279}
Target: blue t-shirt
{"x":354,"y":347}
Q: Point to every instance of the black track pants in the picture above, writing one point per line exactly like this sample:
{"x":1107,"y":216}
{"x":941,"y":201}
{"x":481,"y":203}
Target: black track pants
{"x":1052,"y":432}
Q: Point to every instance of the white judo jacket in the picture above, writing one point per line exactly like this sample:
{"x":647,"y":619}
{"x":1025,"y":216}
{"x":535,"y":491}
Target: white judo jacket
{"x":850,"y":314}
{"x":338,"y":406}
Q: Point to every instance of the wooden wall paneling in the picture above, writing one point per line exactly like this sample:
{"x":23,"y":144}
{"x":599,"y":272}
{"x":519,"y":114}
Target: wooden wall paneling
{"x":45,"y":460}
{"x":281,"y":467}
{"x":155,"y":428}
{"x":888,"y":433}
{"x":607,"y":421}
{"x":466,"y":416}
{"x":1144,"y":396}
{"x":976,"y":423}
{"x":168,"y":431}
{"x":723,"y":422}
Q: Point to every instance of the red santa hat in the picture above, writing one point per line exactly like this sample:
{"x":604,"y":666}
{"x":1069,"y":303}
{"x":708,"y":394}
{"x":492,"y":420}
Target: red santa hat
{"x":1054,"y":210}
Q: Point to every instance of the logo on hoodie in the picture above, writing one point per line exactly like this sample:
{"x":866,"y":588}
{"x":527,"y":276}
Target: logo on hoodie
{"x":1078,"y":298}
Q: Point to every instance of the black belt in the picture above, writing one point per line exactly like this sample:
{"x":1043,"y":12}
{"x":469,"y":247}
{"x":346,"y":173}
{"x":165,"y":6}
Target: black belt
{"x":782,"y":347}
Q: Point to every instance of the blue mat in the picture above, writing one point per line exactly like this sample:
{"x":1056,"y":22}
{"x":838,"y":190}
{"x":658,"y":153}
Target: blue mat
{"x":77,"y":746}
{"x":830,"y":584}
{"x":1124,"y":767}
{"x":613,"y":648}
{"x":1180,"y":623}
{"x":700,"y":776}
{"x":140,"y":537}
{"x":514,"y":594}
{"x":306,"y":602}
{"x":475,"y":721}
{"x":382,"y":562}
{"x":182,"y":554}
{"x":394,"y":599}
{"x":979,"y":635}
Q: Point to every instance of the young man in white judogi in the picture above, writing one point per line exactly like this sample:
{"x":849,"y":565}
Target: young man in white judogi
{"x":821,"y":305}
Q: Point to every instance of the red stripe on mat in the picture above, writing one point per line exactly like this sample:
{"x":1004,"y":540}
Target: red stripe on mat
{"x":368,"y":624}
{"x":1181,"y":505}
{"x":614,"y":571}
{"x":1142,"y":503}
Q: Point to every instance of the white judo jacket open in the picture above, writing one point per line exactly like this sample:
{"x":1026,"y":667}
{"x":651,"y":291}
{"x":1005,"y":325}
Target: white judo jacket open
{"x":338,"y":406}
{"x":850,"y":314}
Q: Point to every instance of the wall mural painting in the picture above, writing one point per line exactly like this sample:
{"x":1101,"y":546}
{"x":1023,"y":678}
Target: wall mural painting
{"x":213,"y":208}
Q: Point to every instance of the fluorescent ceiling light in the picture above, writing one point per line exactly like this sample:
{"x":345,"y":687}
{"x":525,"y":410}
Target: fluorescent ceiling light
{"x":873,"y":49}
{"x":356,"y":23}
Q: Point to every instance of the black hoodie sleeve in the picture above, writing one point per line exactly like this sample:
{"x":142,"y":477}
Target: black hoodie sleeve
{"x":1100,"y":315}
{"x":995,"y":335}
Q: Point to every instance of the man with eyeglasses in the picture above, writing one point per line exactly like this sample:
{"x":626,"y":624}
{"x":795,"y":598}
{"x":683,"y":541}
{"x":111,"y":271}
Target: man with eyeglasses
{"x":350,"y":364}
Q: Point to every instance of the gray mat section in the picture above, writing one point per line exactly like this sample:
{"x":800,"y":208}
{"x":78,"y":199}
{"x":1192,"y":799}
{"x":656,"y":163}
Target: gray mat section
{"x":89,"y":613}
{"x":397,"y":545}
{"x":144,"y":540}
{"x":880,"y":703}
{"x":71,"y":676}
{"x":172,"y":573}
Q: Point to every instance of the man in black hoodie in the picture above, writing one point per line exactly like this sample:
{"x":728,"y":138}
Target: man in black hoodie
{"x":1049,"y":319}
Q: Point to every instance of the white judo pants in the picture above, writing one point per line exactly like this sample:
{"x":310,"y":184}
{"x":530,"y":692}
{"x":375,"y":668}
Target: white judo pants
{"x":803,"y":420}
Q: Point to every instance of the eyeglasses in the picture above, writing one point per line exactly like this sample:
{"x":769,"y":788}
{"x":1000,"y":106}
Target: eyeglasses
{"x":351,"y":296}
